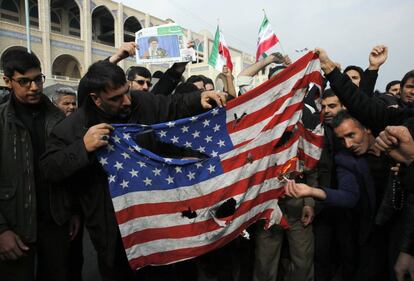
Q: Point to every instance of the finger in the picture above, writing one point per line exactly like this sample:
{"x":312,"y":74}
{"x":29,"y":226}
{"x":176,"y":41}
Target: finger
{"x":104,"y":126}
{"x":205,"y":103}
{"x":20,"y":244}
{"x":217,"y":99}
{"x":2,"y":257}
{"x":385,"y":138}
{"x":379,"y":143}
{"x":104,"y":131}
{"x":293,"y":189}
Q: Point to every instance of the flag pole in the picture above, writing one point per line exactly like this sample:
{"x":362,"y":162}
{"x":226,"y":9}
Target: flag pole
{"x":26,"y":6}
{"x":280,"y":42}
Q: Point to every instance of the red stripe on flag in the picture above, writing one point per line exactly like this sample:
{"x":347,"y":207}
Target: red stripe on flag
{"x":266,"y":45}
{"x":284,"y":75}
{"x":196,"y":228}
{"x":239,"y":187}
{"x":182,"y":254}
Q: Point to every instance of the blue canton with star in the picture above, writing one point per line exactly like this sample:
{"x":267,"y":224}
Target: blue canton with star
{"x":131,"y":168}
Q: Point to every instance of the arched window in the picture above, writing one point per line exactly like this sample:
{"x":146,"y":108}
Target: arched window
{"x":66,"y":66}
{"x":9,"y":11}
{"x":103,"y":26}
{"x":69,"y":14}
{"x":131,"y":26}
{"x":34,"y":14}
{"x":56,"y":22}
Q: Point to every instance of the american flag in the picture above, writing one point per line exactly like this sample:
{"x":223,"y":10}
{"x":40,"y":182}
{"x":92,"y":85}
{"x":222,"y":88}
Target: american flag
{"x":171,"y":209}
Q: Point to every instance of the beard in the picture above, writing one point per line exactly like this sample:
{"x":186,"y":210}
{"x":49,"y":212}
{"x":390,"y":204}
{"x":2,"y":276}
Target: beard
{"x":120,"y":114}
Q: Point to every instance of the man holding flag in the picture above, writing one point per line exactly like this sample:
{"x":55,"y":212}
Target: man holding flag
{"x":70,"y":150}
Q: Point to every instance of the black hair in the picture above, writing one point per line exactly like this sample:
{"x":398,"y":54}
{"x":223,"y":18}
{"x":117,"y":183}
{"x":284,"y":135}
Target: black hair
{"x":101,"y":76}
{"x":137,"y":70}
{"x":341,"y":116}
{"x":392,"y":83}
{"x":207,"y":80}
{"x":275,"y":70}
{"x":408,"y":75}
{"x":328,"y":93}
{"x":157,"y":74}
{"x":186,"y":87}
{"x":195,"y":79}
{"x":152,"y":38}
{"x":19,"y":60}
{"x":356,"y":68}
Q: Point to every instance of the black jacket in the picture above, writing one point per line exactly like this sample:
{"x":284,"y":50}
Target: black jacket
{"x":375,"y":115}
{"x":66,"y":159}
{"x":17,"y":182}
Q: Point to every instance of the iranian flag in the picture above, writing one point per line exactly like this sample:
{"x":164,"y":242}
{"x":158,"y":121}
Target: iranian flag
{"x":267,"y":38}
{"x":220,"y":54}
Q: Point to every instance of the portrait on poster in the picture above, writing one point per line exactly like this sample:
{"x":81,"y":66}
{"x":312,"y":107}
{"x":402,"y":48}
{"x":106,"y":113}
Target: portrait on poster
{"x":162,"y":44}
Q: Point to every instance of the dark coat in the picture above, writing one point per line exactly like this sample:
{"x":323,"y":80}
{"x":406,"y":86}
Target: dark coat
{"x":17,"y":183}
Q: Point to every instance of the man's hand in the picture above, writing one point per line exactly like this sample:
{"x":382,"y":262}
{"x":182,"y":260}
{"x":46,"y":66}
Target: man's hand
{"x":297,"y":190}
{"x":11,"y":247}
{"x":97,"y":136}
{"x":127,"y":49}
{"x":287,"y":61}
{"x":397,"y":142}
{"x":327,"y":65}
{"x":377,"y":57}
{"x":404,"y":266}
{"x":275,"y":57}
{"x":307,"y":215}
{"x":226,"y":71}
{"x":74,"y":226}
{"x":218,"y":97}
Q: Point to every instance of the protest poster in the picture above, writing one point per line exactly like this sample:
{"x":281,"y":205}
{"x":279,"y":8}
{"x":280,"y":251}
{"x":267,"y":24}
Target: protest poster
{"x":162,"y":44}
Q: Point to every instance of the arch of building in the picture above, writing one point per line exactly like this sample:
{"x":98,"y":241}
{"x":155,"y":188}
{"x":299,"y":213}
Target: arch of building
{"x":66,"y":65}
{"x":13,"y":11}
{"x":131,"y":25}
{"x":103,"y":26}
{"x":65,"y":17}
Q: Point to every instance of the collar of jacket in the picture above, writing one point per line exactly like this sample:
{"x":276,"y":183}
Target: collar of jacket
{"x":51,"y":111}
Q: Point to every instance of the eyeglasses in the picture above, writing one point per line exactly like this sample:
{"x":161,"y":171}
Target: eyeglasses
{"x":27,"y":82}
{"x":141,"y":82}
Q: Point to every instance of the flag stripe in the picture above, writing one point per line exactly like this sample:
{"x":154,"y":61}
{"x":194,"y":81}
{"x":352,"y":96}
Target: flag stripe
{"x":194,"y":228}
{"x":165,"y":245}
{"x":185,"y":253}
{"x":252,"y":175}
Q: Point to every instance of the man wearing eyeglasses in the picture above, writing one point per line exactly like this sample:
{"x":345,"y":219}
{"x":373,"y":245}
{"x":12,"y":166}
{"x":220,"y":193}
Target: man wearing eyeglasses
{"x":33,"y":221}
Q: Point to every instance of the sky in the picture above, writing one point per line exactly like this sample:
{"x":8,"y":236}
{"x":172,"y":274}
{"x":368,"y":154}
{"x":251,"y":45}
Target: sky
{"x":347,"y":30}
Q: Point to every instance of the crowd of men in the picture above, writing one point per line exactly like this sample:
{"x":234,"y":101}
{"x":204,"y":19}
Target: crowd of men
{"x":349,"y":219}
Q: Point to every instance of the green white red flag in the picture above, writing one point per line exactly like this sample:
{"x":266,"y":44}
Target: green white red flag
{"x":267,"y":38}
{"x":220,"y":54}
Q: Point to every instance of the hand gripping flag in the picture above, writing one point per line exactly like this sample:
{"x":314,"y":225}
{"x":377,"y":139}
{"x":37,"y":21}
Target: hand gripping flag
{"x":170,"y":210}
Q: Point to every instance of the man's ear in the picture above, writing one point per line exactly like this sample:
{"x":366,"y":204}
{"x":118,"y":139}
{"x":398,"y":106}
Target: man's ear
{"x":96,"y":99}
{"x":7,"y":81}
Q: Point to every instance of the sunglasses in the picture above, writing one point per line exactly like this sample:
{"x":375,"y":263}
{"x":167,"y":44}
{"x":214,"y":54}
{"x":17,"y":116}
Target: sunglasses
{"x":142,"y":82}
{"x":27,"y":82}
